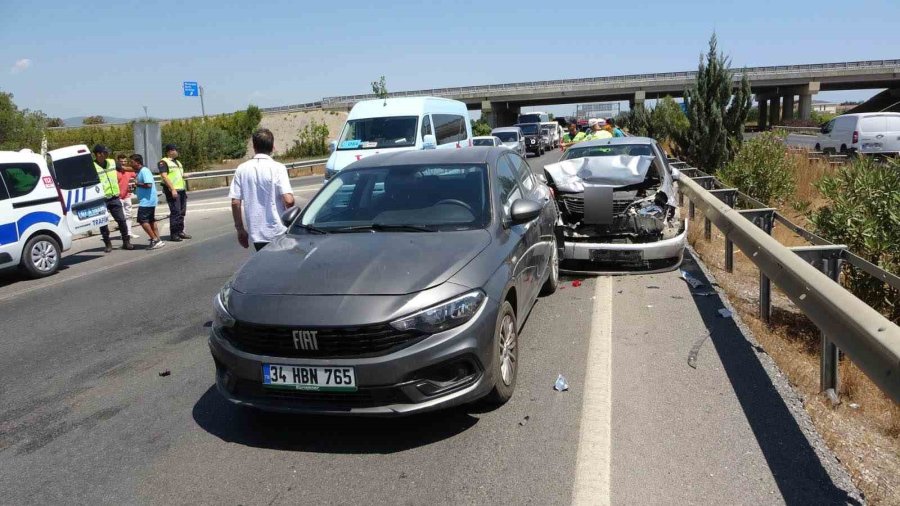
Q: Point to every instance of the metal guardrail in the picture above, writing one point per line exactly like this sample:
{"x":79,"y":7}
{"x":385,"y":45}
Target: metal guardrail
{"x":799,"y":130}
{"x":229,"y":173}
{"x":752,"y":73}
{"x":809,"y":277}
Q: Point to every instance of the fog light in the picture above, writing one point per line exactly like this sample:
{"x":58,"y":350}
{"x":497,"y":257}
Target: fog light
{"x":443,"y":378}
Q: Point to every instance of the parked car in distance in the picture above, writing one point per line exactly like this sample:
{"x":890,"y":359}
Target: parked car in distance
{"x":618,"y":206}
{"x":555,"y":133}
{"x":512,"y":138}
{"x":487,"y":140}
{"x":400,"y":288}
{"x":534,"y":141}
{"x":399,"y":124}
{"x":533,"y":117}
{"x":862,"y":133}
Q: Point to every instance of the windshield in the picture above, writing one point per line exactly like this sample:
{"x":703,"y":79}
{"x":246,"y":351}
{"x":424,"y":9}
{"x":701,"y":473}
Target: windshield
{"x":615,"y":150}
{"x":371,"y":133}
{"x":426,"y":197}
{"x":529,"y":129}
{"x":507,"y":136}
{"x":483,"y":142}
{"x":75,"y":172}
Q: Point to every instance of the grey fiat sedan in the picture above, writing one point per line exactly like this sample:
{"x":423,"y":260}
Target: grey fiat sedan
{"x":400,"y":288}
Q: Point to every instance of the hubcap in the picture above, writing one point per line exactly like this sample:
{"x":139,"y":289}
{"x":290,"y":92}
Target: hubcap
{"x":44,"y":256}
{"x":508,"y":352}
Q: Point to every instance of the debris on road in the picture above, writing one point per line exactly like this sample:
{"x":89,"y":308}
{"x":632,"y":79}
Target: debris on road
{"x":524,"y":420}
{"x":576,"y":283}
{"x":725,"y":313}
{"x":652,"y":287}
{"x":561,"y":384}
{"x":164,"y":373}
{"x":691,"y":280}
{"x":695,"y":350}
{"x":704,"y":294}
{"x":677,"y":297}
{"x":854,"y":405}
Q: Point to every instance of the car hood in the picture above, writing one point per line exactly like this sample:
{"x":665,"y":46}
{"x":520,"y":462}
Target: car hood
{"x":360,"y":263}
{"x":570,"y":175}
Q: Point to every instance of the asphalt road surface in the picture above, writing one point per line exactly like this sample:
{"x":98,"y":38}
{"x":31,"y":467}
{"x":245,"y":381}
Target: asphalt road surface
{"x":86,"y":417}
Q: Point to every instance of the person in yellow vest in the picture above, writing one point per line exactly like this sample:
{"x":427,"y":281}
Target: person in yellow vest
{"x":109,"y":184}
{"x":572,"y":137}
{"x":172,"y":174}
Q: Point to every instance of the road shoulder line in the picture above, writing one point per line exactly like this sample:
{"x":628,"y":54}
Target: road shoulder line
{"x":592,"y":468}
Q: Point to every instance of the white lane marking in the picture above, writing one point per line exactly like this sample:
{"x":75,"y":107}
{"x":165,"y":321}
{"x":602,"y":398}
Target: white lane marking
{"x":593,"y":463}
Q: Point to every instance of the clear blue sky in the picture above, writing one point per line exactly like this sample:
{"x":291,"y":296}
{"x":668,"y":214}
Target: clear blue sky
{"x":111,"y":58}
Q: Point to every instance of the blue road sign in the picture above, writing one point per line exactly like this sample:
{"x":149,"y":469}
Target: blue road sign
{"x":191,"y":89}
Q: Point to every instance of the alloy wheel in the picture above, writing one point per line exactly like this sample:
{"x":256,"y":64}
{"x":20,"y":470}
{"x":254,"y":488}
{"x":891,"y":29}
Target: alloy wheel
{"x":508,"y":351}
{"x":44,"y":256}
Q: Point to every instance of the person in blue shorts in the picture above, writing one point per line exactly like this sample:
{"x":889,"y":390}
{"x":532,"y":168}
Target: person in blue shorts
{"x":147,"y":201}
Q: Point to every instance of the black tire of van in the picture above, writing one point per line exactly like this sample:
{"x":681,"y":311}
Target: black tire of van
{"x":51,"y":250}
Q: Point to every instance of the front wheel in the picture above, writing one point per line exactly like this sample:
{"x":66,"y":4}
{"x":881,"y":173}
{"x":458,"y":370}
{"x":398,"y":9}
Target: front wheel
{"x":41,"y":256}
{"x":552,"y":282}
{"x":506,"y":362}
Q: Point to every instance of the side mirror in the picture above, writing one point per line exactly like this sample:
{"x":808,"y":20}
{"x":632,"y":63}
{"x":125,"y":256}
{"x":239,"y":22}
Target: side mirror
{"x":290,"y":215}
{"x":676,"y":174}
{"x":523,"y":211}
{"x":332,"y":146}
{"x":542,"y":177}
{"x":429,"y":142}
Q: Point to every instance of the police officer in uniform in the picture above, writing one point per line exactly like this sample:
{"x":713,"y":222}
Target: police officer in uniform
{"x":109,"y":182}
{"x":172,"y":174}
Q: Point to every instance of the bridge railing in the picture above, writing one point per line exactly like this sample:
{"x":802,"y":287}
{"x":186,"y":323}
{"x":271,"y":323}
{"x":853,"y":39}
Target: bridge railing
{"x":808,"y":276}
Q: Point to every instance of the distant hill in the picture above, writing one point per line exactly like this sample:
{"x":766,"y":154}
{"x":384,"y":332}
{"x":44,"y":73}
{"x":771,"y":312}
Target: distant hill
{"x":77,"y":120}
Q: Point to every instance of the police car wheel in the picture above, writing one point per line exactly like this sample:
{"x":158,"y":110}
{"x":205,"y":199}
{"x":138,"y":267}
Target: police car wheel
{"x":41,"y":256}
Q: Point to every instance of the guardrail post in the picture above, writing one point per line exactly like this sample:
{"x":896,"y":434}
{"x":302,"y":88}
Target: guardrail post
{"x":763,"y":219}
{"x":828,"y":260}
{"x":728,"y":196}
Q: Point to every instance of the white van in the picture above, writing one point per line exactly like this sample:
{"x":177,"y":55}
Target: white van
{"x":555,"y":133}
{"x":865,"y":133}
{"x":399,"y":124}
{"x":42,"y":209}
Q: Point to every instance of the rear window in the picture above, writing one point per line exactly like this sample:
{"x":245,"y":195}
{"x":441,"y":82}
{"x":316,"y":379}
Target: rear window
{"x":483,"y":142}
{"x":75,"y":172}
{"x":873,"y":124}
{"x":20,"y":178}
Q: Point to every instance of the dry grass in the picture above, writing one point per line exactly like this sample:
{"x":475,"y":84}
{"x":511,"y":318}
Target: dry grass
{"x":864,"y":430}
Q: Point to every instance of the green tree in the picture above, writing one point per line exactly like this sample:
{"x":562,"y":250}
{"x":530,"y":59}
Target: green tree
{"x":312,"y":140}
{"x":763,"y":169}
{"x":93,"y":120}
{"x":668,"y":123}
{"x":55,"y":122}
{"x":379,"y":88}
{"x":19,"y":128}
{"x":716,"y":111}
{"x":481,"y":127}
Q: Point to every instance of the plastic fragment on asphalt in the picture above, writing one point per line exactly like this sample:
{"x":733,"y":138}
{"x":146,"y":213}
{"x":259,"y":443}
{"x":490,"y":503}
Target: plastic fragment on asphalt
{"x":725,"y":313}
{"x":561,"y":384}
{"x":652,"y":287}
{"x":704,"y":294}
{"x":165,"y":373}
{"x":691,"y":280}
{"x":524,"y":420}
{"x":576,"y":283}
{"x":854,"y":405}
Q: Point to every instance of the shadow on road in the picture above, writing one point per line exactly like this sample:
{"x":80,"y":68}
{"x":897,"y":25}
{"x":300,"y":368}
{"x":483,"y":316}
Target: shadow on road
{"x":796,"y":467}
{"x":325,"y":434}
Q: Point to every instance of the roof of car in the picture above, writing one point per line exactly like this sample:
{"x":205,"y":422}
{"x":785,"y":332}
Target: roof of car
{"x":617,"y":141}
{"x":483,"y":137}
{"x":506,"y":129}
{"x":474,"y":155}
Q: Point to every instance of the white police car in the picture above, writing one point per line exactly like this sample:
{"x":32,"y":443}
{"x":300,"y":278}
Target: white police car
{"x":43,"y":205}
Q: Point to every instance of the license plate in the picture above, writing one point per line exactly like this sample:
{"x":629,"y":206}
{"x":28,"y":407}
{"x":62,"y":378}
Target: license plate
{"x":313,"y":379}
{"x":84,"y":214}
{"x":605,"y":255}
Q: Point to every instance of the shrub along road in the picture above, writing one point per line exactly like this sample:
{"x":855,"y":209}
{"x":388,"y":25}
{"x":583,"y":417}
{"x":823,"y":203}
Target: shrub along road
{"x":86,"y":416}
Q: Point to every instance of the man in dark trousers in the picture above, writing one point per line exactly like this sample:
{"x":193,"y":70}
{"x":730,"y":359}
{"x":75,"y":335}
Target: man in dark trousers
{"x":172,"y":174}
{"x":109,"y":183}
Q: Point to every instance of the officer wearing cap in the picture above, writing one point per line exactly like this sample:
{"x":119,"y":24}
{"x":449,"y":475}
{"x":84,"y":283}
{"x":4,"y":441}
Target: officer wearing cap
{"x":109,"y":183}
{"x":172,"y":174}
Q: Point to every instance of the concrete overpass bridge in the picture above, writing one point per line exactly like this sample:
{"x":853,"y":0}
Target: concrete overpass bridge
{"x":776,"y":89}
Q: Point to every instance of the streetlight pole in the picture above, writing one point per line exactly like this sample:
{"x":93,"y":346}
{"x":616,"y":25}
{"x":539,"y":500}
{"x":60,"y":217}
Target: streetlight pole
{"x":202,"y":106}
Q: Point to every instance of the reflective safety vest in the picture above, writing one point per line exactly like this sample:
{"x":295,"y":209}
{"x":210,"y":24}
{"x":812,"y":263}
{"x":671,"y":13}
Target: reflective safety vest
{"x":176,"y":173}
{"x":600,"y":134}
{"x":109,"y":180}
{"x":569,"y":139}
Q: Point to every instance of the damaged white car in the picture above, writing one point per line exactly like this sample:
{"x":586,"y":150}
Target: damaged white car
{"x":618,"y":207}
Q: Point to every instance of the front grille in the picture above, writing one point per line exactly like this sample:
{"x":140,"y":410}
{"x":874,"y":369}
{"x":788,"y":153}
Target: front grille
{"x":574,"y":204}
{"x":332,"y":342}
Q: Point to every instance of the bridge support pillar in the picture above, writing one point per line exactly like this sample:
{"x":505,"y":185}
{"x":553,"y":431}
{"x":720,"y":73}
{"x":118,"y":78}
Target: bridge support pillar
{"x":763,"y":107}
{"x":806,"y":93}
{"x":639,"y":98}
{"x":774,"y":111}
{"x":787,"y":109}
{"x":500,"y":114}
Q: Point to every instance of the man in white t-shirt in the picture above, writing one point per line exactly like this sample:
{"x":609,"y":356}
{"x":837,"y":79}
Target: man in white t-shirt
{"x":260,"y":193}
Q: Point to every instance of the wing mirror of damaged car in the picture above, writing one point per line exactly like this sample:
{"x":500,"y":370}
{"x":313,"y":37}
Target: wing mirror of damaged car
{"x":288,"y":217}
{"x":542,"y":178}
{"x":429,"y":142}
{"x":523,"y":211}
{"x":332,"y":146}
{"x":676,"y":174}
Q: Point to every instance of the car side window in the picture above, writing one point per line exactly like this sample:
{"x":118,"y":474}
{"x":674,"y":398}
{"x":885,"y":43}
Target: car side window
{"x":20,"y":178}
{"x":449,"y":128}
{"x":3,"y":193}
{"x":426,"y":126}
{"x":509,"y":186}
{"x":828,"y":127}
{"x":523,"y":173}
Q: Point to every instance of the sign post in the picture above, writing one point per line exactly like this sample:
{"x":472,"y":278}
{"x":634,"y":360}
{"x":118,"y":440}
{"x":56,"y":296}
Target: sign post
{"x":192,"y":89}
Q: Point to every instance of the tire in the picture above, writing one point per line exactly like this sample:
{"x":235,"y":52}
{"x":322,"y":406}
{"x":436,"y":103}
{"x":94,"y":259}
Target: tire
{"x":843,"y":149}
{"x":818,"y":147}
{"x":41,"y":256}
{"x":552,"y":283}
{"x":505,"y":384}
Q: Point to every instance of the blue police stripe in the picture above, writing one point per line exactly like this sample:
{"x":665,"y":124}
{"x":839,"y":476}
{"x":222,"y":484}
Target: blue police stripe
{"x":37,"y":217}
{"x":8,"y":233}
